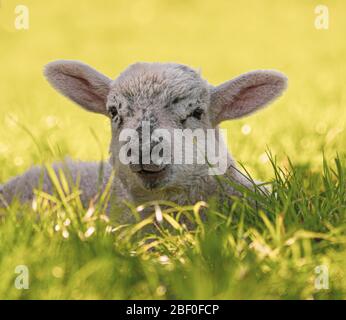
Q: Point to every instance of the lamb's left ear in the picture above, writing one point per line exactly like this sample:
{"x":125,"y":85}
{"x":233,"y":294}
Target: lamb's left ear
{"x":245,"y":94}
{"x":79,"y":82}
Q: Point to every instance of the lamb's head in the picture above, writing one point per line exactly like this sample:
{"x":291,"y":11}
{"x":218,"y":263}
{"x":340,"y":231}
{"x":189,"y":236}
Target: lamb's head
{"x":155,"y":101}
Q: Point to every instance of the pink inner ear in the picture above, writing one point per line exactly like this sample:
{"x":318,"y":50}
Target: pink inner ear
{"x":252,"y":98}
{"x":79,"y":82}
{"x":246,"y":94}
{"x":83,"y":93}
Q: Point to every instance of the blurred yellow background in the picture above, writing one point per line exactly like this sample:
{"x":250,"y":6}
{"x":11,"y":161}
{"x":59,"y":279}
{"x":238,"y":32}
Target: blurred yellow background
{"x":223,"y":38}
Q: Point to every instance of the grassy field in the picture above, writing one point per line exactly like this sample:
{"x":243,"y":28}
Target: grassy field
{"x":241,"y":252}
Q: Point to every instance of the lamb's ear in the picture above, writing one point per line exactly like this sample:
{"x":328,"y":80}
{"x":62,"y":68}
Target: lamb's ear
{"x":245,"y":94}
{"x":79,"y":82}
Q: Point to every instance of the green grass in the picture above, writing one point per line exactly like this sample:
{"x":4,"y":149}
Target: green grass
{"x":266,"y":250}
{"x":241,"y":252}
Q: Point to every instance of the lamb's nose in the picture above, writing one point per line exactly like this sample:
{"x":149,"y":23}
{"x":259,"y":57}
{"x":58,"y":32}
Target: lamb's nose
{"x":146,"y":167}
{"x":153,"y":167}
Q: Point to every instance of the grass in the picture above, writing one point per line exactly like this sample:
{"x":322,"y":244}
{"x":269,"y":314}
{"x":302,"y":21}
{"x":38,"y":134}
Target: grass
{"x":242,"y":251}
{"x":270,"y":251}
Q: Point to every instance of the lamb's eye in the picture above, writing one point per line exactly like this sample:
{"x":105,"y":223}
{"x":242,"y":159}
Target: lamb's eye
{"x":176,"y":100}
{"x":197,"y":113}
{"x":113,"y":112}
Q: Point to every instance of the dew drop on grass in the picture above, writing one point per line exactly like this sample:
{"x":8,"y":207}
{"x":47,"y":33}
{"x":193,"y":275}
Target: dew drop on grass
{"x":158,"y":213}
{"x":18,"y":161}
{"x":161,"y":290}
{"x":264,"y":158}
{"x":133,"y":253}
{"x":34,"y":204}
{"x":51,"y":121}
{"x":164,"y":259}
{"x":57,"y":272}
{"x":140,"y":208}
{"x":89,"y":213}
{"x":89,"y":232}
{"x":246,"y":129}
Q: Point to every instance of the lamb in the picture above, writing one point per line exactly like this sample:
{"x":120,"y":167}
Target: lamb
{"x":167,"y":95}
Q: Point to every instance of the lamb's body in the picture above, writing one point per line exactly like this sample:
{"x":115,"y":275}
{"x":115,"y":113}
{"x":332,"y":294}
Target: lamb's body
{"x":168,"y":96}
{"x":87,"y":174}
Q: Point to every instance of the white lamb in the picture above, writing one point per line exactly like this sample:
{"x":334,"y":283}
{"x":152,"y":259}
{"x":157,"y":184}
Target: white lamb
{"x":170,"y":96}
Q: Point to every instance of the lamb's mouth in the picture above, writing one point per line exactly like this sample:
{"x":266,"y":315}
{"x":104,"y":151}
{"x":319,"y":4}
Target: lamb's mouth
{"x":153,"y":175}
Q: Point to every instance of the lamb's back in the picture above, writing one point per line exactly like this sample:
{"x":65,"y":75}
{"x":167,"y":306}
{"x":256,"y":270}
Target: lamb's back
{"x":90,"y":176}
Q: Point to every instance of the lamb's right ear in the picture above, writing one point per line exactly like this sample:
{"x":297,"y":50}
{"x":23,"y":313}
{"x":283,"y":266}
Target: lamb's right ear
{"x":79,"y":82}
